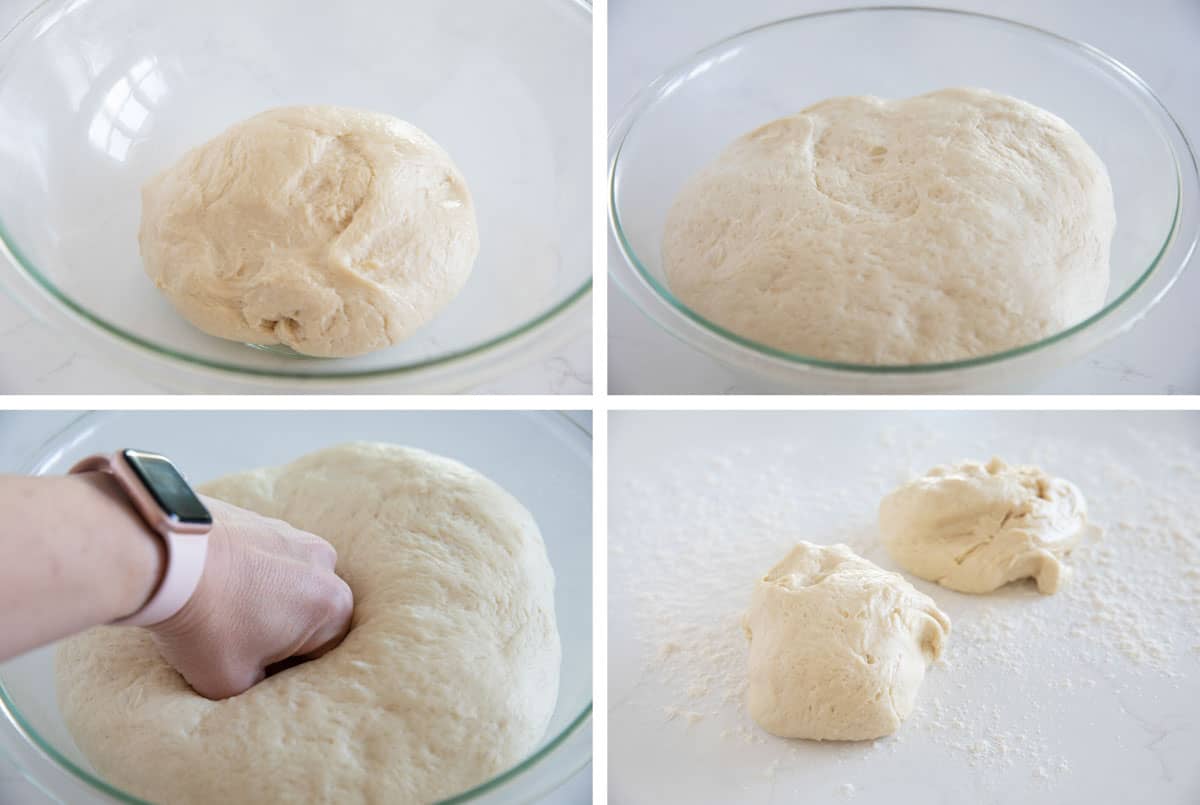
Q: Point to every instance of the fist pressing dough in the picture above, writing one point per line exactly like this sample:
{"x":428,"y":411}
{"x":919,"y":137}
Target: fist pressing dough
{"x":838,"y":646}
{"x":333,"y":231}
{"x":975,"y":527}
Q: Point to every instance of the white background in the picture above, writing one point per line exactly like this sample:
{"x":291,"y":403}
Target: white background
{"x":37,"y":359}
{"x":20,"y":435}
{"x":1159,"y":39}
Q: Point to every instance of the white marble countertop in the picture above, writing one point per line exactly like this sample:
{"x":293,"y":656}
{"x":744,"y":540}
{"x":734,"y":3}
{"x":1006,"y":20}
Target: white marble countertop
{"x":1158,"y":40}
{"x":1089,"y":695}
{"x":21,"y":433}
{"x":38,"y":359}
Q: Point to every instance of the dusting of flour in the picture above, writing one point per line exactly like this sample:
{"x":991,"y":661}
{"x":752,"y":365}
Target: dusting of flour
{"x":691,"y":533}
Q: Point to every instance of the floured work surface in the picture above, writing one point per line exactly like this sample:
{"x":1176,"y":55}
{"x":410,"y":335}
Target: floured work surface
{"x":1092,"y":694}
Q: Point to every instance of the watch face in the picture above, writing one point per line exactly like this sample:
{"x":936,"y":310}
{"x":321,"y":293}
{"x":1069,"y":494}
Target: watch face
{"x":168,"y":487}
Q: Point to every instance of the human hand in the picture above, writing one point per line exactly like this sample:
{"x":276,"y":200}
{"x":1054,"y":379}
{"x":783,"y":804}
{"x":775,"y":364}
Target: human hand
{"x":268,"y":593}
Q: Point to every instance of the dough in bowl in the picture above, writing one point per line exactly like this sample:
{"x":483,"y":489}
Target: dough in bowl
{"x":332,"y":231}
{"x":838,"y":646}
{"x":937,"y":228}
{"x":449,"y":674}
{"x":975,"y":527}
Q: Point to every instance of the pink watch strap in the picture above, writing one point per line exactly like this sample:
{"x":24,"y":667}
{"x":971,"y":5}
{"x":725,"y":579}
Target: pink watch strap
{"x":186,"y":543}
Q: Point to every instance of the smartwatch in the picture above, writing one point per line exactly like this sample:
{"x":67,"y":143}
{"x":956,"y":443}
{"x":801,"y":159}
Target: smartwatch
{"x":164,"y":499}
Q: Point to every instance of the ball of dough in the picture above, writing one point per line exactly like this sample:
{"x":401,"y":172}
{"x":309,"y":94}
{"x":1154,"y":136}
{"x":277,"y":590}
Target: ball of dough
{"x":332,"y":231}
{"x":838,"y":646}
{"x":935,"y":228}
{"x":449,"y":674}
{"x":975,"y":527}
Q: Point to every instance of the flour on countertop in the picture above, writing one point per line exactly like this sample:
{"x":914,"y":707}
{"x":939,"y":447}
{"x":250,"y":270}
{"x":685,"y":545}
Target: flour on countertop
{"x":691,"y":535}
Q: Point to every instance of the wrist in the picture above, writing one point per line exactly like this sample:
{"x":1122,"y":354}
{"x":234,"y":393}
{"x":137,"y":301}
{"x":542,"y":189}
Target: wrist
{"x":212,"y":587}
{"x":137,"y":553}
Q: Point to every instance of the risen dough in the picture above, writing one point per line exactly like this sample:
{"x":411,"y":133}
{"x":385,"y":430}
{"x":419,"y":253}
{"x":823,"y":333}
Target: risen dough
{"x":936,"y":228}
{"x":975,"y":527}
{"x":333,"y":231}
{"x":838,"y":646}
{"x":448,"y":676}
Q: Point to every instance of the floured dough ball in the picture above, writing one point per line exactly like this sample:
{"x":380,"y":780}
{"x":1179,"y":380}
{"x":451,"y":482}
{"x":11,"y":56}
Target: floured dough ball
{"x":449,"y":674}
{"x":333,"y":231}
{"x":936,"y":228}
{"x":975,"y":527}
{"x":838,"y":646}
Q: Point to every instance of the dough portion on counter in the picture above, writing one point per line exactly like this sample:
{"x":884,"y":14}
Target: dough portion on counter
{"x":975,"y":527}
{"x":894,"y":232}
{"x":838,"y":646}
{"x":449,"y":674}
{"x":333,"y":231}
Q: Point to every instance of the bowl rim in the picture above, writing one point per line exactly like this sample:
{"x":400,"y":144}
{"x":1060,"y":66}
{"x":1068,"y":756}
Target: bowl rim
{"x":12,"y":713}
{"x":648,"y":95}
{"x":29,"y":271}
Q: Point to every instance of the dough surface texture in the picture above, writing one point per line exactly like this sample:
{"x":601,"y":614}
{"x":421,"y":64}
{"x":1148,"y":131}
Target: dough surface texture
{"x":333,"y":231}
{"x":838,"y":646}
{"x":448,"y":676}
{"x":975,"y":527}
{"x":895,"y":232}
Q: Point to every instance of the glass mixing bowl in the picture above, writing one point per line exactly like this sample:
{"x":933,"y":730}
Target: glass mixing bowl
{"x":97,"y":96}
{"x":543,"y":459}
{"x":688,"y":115}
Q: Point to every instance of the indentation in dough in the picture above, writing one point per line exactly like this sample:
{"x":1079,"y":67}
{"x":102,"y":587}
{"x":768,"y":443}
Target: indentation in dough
{"x":449,"y":674}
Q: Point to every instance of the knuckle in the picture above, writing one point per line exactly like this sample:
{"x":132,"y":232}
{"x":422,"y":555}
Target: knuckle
{"x":329,"y":550}
{"x":339,"y":600}
{"x":323,"y":552}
